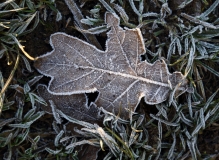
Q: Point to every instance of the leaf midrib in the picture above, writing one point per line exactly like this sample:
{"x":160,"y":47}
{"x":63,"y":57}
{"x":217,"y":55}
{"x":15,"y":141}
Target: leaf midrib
{"x":127,"y":76}
{"x":119,"y":74}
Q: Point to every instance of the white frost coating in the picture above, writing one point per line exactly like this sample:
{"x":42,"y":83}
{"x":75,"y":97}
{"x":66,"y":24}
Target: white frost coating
{"x":116,"y":73}
{"x":54,"y":112}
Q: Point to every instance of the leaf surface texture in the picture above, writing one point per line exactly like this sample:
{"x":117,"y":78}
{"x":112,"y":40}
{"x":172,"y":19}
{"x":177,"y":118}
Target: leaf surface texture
{"x":117,"y":73}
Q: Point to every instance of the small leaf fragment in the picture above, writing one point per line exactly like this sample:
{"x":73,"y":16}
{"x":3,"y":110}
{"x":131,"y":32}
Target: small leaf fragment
{"x":72,"y":105}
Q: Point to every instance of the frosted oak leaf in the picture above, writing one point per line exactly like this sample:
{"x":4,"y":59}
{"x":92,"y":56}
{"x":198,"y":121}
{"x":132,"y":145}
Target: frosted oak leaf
{"x":117,"y":73}
{"x":72,"y":105}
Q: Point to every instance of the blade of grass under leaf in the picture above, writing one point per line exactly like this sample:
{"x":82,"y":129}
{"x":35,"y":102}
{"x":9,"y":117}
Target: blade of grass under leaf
{"x":209,"y":68}
{"x":21,"y":47}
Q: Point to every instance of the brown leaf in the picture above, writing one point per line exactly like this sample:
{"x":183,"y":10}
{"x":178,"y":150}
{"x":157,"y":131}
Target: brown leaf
{"x":118,"y":74}
{"x":72,"y":105}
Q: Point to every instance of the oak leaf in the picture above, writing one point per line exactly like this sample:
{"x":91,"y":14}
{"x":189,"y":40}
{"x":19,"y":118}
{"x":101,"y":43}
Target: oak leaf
{"x":72,"y":105}
{"x":117,"y":73}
